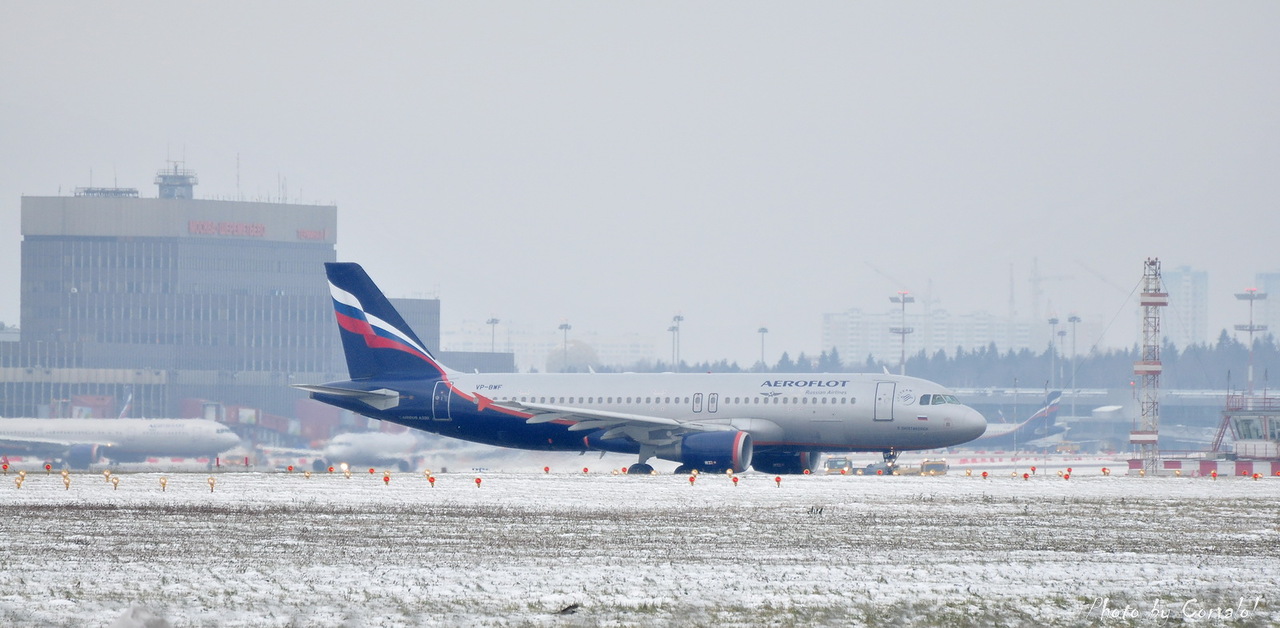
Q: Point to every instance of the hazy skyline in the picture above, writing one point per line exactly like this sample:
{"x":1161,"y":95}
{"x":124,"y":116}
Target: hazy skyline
{"x":743,"y":165}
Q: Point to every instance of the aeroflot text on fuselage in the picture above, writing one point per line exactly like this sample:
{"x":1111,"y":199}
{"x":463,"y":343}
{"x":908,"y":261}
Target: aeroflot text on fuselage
{"x":805,"y":383}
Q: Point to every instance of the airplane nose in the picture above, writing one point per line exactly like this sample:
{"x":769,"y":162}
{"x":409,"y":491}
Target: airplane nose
{"x":972,"y":424}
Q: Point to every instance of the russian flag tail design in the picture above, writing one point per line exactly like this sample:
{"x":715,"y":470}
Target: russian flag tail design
{"x":1050,"y":409}
{"x":1042,"y":422}
{"x":376,"y":340}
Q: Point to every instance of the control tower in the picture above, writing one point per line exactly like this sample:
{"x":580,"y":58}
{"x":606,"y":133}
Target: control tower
{"x":176,"y":181}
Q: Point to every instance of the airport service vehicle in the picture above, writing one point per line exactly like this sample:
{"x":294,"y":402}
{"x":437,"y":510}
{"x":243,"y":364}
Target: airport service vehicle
{"x":775,"y":423}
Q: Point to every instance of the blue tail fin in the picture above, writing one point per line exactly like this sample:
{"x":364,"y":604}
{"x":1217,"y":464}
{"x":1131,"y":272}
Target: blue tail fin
{"x":1042,"y":422}
{"x":376,"y":340}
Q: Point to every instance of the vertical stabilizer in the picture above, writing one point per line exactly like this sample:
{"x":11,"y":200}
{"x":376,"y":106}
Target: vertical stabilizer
{"x":376,"y":340}
{"x":1042,"y":423}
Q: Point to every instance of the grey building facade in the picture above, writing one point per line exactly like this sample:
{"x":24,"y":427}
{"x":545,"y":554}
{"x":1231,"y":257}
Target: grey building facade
{"x":163,"y":299}
{"x":177,"y":306}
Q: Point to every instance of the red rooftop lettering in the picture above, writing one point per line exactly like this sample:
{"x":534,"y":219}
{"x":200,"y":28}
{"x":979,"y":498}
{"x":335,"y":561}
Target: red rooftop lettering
{"x":249,"y":229}
{"x":242,"y":229}
{"x":202,"y":227}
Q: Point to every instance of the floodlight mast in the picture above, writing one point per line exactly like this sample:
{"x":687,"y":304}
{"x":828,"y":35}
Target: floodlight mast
{"x":1251,"y":295}
{"x":903,"y":297}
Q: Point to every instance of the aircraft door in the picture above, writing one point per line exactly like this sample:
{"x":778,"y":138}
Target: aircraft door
{"x":713,"y":402}
{"x":697,"y":402}
{"x":884,"y":401}
{"x":440,"y":401}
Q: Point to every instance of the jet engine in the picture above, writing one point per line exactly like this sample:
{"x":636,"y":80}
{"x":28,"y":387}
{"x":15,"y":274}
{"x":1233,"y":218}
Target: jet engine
{"x":711,"y":451}
{"x":81,"y":456}
{"x":784,"y":463}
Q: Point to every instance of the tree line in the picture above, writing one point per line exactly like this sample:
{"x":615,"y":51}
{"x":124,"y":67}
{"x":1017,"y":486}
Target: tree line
{"x":1212,"y":366}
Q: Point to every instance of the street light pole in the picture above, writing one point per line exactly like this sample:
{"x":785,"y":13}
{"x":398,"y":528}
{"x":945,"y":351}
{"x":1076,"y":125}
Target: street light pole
{"x":565,"y":327}
{"x":1073,"y":319}
{"x":1053,"y":354}
{"x":1251,"y":295}
{"x":1062,"y":335}
{"x":493,"y":334}
{"x":904,"y":298}
{"x":673,"y":329}
{"x":676,"y":331}
{"x":762,"y":331}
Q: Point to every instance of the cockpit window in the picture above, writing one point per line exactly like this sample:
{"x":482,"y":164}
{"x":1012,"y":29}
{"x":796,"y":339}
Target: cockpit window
{"x":937,"y":400}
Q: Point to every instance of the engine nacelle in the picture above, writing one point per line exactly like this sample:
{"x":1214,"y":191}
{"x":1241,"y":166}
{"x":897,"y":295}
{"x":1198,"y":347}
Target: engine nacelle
{"x":711,"y":451}
{"x":784,"y":463}
{"x":81,"y":456}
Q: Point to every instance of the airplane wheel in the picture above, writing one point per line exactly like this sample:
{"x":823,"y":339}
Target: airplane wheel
{"x":639,"y":469}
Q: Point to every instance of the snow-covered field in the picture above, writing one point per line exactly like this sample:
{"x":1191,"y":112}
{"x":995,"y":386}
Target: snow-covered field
{"x":278,"y":549}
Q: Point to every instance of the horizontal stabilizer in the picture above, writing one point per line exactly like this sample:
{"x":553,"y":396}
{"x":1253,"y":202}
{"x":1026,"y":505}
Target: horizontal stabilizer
{"x":592,"y":425}
{"x":382,"y":398}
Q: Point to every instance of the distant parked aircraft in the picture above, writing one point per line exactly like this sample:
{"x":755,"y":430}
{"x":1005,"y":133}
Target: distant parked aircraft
{"x":1041,"y":430}
{"x":80,"y":442}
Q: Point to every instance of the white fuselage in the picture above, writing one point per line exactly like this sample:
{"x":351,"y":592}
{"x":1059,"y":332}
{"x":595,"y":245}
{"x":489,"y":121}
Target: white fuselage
{"x":159,"y":437}
{"x":846,"y":411}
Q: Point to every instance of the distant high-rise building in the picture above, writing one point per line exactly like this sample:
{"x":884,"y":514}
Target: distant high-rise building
{"x":1186,"y":319}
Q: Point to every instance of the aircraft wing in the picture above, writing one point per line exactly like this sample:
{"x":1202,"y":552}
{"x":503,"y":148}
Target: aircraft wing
{"x":35,"y":444}
{"x":644,"y":429}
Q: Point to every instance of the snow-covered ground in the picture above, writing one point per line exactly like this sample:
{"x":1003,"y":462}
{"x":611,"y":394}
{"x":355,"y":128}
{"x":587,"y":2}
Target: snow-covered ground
{"x":278,"y":549}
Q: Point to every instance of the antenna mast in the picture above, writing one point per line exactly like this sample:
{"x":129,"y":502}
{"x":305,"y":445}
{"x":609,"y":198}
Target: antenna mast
{"x":1146,"y":432}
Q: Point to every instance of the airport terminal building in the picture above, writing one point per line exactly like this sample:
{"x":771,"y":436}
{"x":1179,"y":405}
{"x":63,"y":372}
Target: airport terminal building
{"x":175,"y":304}
{"x":170,"y":298}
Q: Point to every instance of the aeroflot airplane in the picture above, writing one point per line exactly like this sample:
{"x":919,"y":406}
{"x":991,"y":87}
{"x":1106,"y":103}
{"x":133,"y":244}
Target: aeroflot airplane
{"x":711,"y":422}
{"x":81,"y":442}
{"x":1040,"y":430}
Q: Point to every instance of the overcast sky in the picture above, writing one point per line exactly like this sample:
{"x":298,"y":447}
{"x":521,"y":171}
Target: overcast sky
{"x":742,"y":164}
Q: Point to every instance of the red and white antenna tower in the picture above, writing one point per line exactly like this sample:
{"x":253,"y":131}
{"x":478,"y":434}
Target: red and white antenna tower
{"x":1146,"y":430}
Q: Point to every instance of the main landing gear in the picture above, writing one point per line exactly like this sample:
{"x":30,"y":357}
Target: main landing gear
{"x":639,"y":468}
